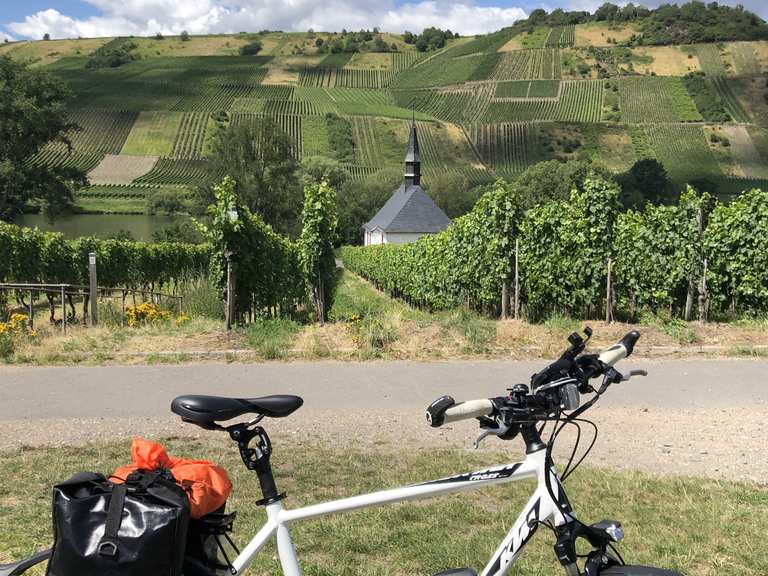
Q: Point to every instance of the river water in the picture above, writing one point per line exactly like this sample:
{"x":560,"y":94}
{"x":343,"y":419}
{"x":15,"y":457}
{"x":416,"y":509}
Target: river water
{"x":140,"y":226}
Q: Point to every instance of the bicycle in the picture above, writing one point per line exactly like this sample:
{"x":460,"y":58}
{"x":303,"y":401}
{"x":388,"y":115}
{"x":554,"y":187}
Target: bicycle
{"x":553,"y":398}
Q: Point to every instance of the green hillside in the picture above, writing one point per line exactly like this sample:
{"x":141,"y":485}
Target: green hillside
{"x":486,"y":106}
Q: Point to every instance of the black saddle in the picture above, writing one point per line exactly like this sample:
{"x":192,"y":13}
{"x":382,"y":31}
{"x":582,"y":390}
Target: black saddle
{"x":205,"y":411}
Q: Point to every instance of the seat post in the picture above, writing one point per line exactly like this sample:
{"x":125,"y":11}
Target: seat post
{"x":257,"y":459}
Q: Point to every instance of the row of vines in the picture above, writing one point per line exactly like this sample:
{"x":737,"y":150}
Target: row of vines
{"x":663,"y":257}
{"x":30,"y":255}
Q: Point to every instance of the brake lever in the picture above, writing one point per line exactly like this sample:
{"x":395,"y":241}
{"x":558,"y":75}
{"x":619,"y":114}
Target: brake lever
{"x":499,"y":430}
{"x":633,"y":373}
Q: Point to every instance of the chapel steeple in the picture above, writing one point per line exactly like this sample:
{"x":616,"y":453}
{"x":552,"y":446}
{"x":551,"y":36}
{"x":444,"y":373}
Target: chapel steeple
{"x":412,"y":159}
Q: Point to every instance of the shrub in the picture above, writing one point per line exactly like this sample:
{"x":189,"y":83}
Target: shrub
{"x":251,"y":49}
{"x":146,"y":313}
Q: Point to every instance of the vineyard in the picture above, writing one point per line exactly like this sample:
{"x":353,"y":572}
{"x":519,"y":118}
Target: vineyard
{"x":510,"y":147}
{"x":684,"y":150}
{"x":190,"y":139}
{"x":172,"y":171}
{"x":528,"y":65}
{"x":345,"y":78}
{"x":656,"y":99}
{"x":501,"y":100}
{"x":561,"y":37}
{"x":723,"y":88}
{"x":578,"y":101}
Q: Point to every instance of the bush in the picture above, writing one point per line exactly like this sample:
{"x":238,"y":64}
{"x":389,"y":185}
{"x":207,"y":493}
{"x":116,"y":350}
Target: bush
{"x":113,"y":54}
{"x":251,"y":49}
{"x":146,"y":313}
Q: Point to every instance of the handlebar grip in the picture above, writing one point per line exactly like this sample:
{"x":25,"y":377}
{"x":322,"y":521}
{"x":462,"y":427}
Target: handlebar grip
{"x":468,"y":410}
{"x":620,"y":350}
{"x":445,"y":410}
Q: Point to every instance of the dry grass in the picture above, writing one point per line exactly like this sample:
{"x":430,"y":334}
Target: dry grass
{"x":367,"y":324}
{"x":667,"y":61}
{"x":596,"y":34}
{"x":281,"y":76}
{"x":121,"y":169}
{"x":371,"y":61}
{"x":41,"y":53}
{"x":616,"y":150}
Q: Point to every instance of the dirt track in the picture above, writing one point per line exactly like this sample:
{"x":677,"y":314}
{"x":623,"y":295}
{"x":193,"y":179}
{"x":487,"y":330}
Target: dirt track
{"x":689,"y":417}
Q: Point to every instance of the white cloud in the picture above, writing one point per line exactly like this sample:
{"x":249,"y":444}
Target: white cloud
{"x":5,"y":37}
{"x":145,"y":17}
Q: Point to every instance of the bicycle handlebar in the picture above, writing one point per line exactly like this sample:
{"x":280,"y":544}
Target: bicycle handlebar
{"x":444,"y":410}
{"x":620,"y":350}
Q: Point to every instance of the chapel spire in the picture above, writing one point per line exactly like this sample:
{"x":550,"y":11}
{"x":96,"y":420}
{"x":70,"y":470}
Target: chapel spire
{"x":413,"y":159}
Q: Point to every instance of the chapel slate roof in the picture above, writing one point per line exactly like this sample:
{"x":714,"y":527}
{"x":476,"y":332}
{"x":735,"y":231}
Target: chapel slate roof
{"x":410,"y":209}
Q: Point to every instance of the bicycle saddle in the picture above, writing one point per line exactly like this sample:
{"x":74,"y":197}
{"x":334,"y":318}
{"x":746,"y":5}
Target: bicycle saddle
{"x":206,"y":410}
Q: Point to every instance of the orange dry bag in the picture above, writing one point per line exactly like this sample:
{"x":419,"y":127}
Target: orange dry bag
{"x":207,"y":485}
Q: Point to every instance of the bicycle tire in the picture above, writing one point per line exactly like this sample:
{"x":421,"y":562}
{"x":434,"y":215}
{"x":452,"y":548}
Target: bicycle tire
{"x":637,"y":571}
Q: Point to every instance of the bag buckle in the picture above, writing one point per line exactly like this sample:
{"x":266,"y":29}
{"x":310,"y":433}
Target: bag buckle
{"x":108,"y":548}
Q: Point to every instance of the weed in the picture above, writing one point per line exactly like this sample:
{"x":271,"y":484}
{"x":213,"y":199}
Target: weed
{"x":200,"y":298}
{"x":272,"y":337}
{"x":679,"y":330}
{"x":479,"y":332}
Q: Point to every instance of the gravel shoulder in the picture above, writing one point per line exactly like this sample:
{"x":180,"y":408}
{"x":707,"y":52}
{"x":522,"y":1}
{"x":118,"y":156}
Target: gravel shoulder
{"x":699,"y":418}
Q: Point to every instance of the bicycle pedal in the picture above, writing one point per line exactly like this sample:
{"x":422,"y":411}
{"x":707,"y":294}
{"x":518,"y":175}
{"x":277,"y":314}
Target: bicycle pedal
{"x":458,"y":572}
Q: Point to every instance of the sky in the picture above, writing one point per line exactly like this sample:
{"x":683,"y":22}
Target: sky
{"x":31,"y":19}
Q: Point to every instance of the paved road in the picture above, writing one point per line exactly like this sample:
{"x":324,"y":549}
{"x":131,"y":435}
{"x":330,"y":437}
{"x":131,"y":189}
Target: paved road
{"x":694,"y":417}
{"x":121,"y":391}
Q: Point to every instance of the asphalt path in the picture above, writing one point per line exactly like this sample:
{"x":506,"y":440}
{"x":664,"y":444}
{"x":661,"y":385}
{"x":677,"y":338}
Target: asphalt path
{"x":689,"y":417}
{"x":124,"y":391}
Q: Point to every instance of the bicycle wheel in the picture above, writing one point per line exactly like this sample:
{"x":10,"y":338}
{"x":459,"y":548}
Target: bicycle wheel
{"x":636,"y":571}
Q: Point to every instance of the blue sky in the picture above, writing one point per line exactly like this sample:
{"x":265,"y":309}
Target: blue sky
{"x":72,"y":18}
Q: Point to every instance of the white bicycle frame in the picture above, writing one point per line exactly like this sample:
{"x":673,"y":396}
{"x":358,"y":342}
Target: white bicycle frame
{"x":539,"y":508}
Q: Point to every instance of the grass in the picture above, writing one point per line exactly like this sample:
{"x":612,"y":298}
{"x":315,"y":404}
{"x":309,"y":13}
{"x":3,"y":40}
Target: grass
{"x":695,"y":526}
{"x":271,"y":338}
{"x":366,"y":324}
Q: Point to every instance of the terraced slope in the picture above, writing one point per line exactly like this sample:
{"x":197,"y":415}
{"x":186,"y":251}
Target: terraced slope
{"x":486,"y":106}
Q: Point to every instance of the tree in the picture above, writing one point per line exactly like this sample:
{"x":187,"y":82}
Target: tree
{"x":31,"y":116}
{"x":453,"y":194}
{"x":258,"y":157}
{"x":647,"y":181}
{"x":184,"y":36}
{"x":46,"y":36}
{"x":251,"y":49}
{"x":553,"y":180}
{"x":360,"y":200}
{"x":317,"y":169}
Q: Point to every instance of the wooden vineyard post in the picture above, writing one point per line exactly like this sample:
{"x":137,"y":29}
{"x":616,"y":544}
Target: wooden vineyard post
{"x":505,"y":300}
{"x":31,"y":310}
{"x":122,"y":307}
{"x":703,"y":296}
{"x":609,"y":295}
{"x":229,"y":313}
{"x":63,"y":311}
{"x":517,"y":279}
{"x":94,"y":290}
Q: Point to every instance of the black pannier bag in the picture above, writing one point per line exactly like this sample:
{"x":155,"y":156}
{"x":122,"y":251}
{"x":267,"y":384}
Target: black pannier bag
{"x":138,"y":528}
{"x":210,"y":549}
